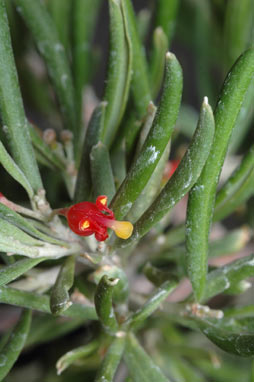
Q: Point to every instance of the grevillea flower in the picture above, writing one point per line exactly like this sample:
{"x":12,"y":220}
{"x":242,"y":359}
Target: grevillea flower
{"x":88,"y":218}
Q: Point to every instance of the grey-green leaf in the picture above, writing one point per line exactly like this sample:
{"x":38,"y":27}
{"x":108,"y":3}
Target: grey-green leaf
{"x":45,"y":35}
{"x":140,"y":366}
{"x":13,"y":271}
{"x":119,"y":70}
{"x":102,"y":175}
{"x":202,"y":196}
{"x":183,"y":178}
{"x":12,"y":110}
{"x":59,"y":297}
{"x":156,"y":141}
{"x":152,"y":304}
{"x":13,"y":169}
{"x":15,"y":344}
{"x":228,"y":275}
{"x":40,"y":302}
{"x":111,"y":360}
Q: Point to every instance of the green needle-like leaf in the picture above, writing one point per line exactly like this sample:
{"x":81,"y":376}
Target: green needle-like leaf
{"x":111,"y":360}
{"x":74,"y":355}
{"x":237,"y":339}
{"x":14,"y":218}
{"x":12,"y":232}
{"x":40,"y":302}
{"x":119,"y":72}
{"x":121,"y":289}
{"x":103,"y":303}
{"x":140,"y":88}
{"x":156,"y":70}
{"x":241,"y":195}
{"x":166,"y":12}
{"x":183,"y":178}
{"x":93,"y":134}
{"x":234,"y":182}
{"x":152,"y":304}
{"x":12,"y":168}
{"x":45,"y":35}
{"x":140,"y":366}
{"x":12,"y":110}
{"x":228,"y":275}
{"x":15,"y":344}
{"x":60,"y":11}
{"x":156,"y":141}
{"x":202,"y":196}
{"x":13,"y":271}
{"x":102,"y":175}
{"x":232,"y":242}
{"x":237,"y":28}
{"x":59,"y":297}
{"x":84,"y":17}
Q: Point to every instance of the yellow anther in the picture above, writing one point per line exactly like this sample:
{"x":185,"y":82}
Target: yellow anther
{"x":103,"y":201}
{"x":85,"y":225}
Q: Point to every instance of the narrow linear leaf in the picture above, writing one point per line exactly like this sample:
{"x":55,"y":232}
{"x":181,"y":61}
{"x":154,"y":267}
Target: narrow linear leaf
{"x":166,"y":12}
{"x":183,"y":178}
{"x":241,"y":195}
{"x":121,"y":289}
{"x":202,"y":196}
{"x":150,"y":191}
{"x":60,"y":11}
{"x":239,"y":341}
{"x":12,"y":168}
{"x":14,"y":218}
{"x":232,"y":242}
{"x":244,"y":119}
{"x":157,"y":63}
{"x":228,"y":275}
{"x":102,"y":175}
{"x":85,"y":14}
{"x":143,"y":23}
{"x":119,"y":71}
{"x":45,"y":35}
{"x":103,"y":303}
{"x":239,"y":311}
{"x":10,"y":352}
{"x":156,"y":275}
{"x":152,"y":304}
{"x":202,"y":41}
{"x":118,"y":163}
{"x":156,"y":141}
{"x":13,"y":271}
{"x":235,"y":181}
{"x":12,"y":110}
{"x":140,"y":366}
{"x":140,"y":87}
{"x":237,"y":28}
{"x":111,"y":361}
{"x":8,"y":244}
{"x":74,"y":355}
{"x":12,"y":232}
{"x":40,"y":302}
{"x":93,"y":133}
{"x":59,"y":297}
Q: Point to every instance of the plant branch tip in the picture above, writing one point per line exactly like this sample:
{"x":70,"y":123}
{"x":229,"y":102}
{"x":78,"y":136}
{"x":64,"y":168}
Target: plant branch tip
{"x":206,"y":101}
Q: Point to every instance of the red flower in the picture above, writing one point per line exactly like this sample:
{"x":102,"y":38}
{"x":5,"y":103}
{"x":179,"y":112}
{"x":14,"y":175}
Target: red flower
{"x":86,"y":218}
